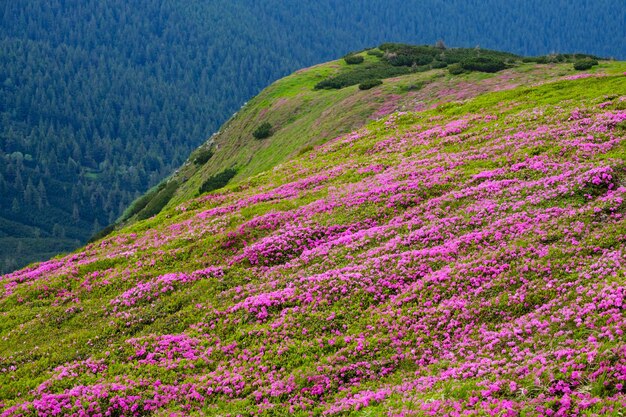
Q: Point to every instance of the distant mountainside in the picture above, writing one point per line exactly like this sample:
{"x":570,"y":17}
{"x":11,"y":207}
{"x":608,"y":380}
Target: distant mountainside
{"x":409,"y":231}
{"x":99,"y":101}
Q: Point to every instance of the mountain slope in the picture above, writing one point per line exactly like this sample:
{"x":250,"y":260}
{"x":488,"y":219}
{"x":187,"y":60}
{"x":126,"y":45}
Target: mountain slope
{"x":466,"y":257}
{"x":303,"y":116}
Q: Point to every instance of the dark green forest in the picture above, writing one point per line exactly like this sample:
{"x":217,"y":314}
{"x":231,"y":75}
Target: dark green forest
{"x":99,"y":101}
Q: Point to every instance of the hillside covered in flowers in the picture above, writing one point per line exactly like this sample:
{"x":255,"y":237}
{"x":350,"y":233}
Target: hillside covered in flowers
{"x":465,"y":256}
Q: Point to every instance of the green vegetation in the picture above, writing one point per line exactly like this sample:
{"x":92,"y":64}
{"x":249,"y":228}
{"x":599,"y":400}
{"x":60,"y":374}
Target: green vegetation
{"x":585,"y":64}
{"x":375,"y":52}
{"x":263,"y":131}
{"x":392,"y":60}
{"x":148,"y":205}
{"x":558,"y":58}
{"x":354,"y":59}
{"x":357,"y":75}
{"x":415,"y":56}
{"x":202,"y":155}
{"x":366,"y":85}
{"x":160,"y":200}
{"x":139,"y":204}
{"x":483,"y":64}
{"x":102,"y":233}
{"x":217,"y":181}
{"x":456,"y":69}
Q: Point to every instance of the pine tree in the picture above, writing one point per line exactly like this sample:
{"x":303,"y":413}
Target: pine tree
{"x":15,"y":206}
{"x":96,"y":227}
{"x":41,"y":189}
{"x":75,"y":214}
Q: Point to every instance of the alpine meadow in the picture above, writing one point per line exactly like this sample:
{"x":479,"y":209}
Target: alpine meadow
{"x":448,"y":240}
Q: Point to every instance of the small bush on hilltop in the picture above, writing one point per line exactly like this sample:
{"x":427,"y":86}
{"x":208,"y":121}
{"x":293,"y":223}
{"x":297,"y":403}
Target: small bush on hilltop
{"x":585,"y":64}
{"x":217,"y":181}
{"x":366,"y":85}
{"x":203,"y":156}
{"x":263,"y":131}
{"x":375,"y":52}
{"x":456,"y":69}
{"x":354,"y":59}
{"x":483,"y":64}
{"x":558,"y":58}
{"x":160,"y":200}
{"x":360,"y":74}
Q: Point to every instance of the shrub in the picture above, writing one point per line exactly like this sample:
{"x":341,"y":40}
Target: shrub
{"x":139,"y":204}
{"x":399,"y":59}
{"x":408,"y":60}
{"x":366,"y":85}
{"x":421,"y":68}
{"x":362,"y":73}
{"x":402,"y":60}
{"x":102,"y":233}
{"x":217,"y":181}
{"x":353,"y":59}
{"x":483,"y":64}
{"x":585,"y":64}
{"x":456,"y":69}
{"x":408,"y":55}
{"x":556,"y":58}
{"x":375,"y":52}
{"x":202,"y":156}
{"x":263,"y":131}
{"x":160,"y":200}
{"x":415,"y":86}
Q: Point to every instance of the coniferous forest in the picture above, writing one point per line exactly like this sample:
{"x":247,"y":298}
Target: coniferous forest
{"x":99,"y":101}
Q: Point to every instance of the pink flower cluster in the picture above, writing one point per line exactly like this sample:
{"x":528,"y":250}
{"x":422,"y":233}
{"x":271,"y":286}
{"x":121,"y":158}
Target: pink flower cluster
{"x":154,"y":288}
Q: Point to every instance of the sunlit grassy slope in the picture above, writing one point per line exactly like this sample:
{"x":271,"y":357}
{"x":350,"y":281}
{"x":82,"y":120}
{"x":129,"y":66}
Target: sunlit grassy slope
{"x":302,"y":117}
{"x":438,"y":245}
